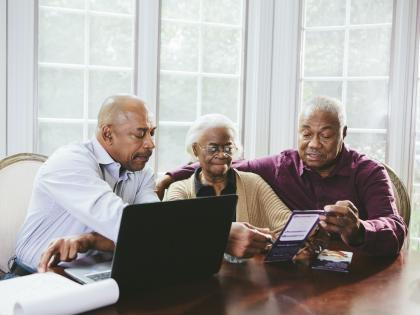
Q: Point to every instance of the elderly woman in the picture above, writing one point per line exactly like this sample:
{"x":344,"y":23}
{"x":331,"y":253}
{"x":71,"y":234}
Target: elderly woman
{"x":213,"y":141}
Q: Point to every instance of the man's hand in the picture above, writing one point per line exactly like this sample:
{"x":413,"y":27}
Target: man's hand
{"x":343,"y":218}
{"x":163,"y":184}
{"x":246,"y":240}
{"x":66,"y":249}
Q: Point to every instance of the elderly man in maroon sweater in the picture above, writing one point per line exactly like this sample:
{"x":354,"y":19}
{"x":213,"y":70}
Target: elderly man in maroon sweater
{"x":325,"y":174}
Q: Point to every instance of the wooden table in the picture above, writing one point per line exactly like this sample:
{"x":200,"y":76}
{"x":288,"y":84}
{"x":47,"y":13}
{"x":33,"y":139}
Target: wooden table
{"x":374,"y":286}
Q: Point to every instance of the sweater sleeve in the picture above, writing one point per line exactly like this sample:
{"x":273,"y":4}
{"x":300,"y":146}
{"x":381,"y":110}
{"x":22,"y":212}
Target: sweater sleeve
{"x":178,"y":190}
{"x":272,"y":212}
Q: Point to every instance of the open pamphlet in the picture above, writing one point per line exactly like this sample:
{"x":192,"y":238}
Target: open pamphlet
{"x":333,"y":260}
{"x":299,"y":226}
{"x":51,"y":294}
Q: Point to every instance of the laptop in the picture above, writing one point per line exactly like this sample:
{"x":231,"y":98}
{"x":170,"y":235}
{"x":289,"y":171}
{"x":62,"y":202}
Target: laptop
{"x":164,"y":243}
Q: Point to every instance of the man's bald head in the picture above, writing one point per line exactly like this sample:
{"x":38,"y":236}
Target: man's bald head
{"x":126,"y":131}
{"x":115,"y":108}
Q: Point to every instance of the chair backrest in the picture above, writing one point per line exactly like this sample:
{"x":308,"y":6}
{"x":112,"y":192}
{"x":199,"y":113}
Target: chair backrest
{"x":17,"y":173}
{"x":401,"y":195}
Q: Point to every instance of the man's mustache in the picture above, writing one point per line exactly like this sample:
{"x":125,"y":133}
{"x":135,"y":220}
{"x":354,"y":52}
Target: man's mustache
{"x":145,"y":154}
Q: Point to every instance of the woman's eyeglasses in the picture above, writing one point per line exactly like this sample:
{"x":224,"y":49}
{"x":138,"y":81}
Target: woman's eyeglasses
{"x":212,"y":149}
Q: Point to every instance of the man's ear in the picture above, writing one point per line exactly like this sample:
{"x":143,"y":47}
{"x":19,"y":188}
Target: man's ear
{"x":344,"y":132}
{"x":106,"y":134}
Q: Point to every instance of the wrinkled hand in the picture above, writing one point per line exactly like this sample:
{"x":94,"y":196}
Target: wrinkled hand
{"x":246,"y":240}
{"x":343,"y":218}
{"x":66,"y":249}
{"x":162,"y":185}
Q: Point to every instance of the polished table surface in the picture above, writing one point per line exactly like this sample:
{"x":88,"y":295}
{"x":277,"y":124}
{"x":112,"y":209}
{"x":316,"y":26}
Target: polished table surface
{"x":375,"y":285}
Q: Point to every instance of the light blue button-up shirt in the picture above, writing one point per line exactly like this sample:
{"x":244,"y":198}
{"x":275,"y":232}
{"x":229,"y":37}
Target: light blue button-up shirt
{"x":79,"y":189}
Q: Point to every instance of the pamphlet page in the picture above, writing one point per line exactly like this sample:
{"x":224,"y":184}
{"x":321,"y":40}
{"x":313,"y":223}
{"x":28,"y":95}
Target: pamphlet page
{"x":52,"y":294}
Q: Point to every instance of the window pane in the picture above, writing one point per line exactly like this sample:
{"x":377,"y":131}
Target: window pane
{"x":113,"y":6}
{"x":221,"y":49}
{"x":53,"y":135}
{"x":369,"y":98}
{"x":73,"y":4}
{"x":60,"y":93}
{"x":220,"y":95}
{"x":324,"y":53}
{"x":181,"y":9}
{"x":172,"y":151}
{"x":178,"y":97}
{"x":61,"y":36}
{"x":103,"y":83}
{"x":371,"y":11}
{"x":223,"y":11}
{"x":369,"y":51}
{"x":201,"y":69}
{"x":416,"y":178}
{"x":370,"y":144}
{"x":325,"y":12}
{"x":179,"y":47}
{"x":74,"y":78}
{"x":91,"y":130}
{"x":111,"y":41}
{"x":415,"y":219}
{"x":314,"y":88}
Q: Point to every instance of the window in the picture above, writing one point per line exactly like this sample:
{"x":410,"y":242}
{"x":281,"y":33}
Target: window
{"x":201,"y":69}
{"x":346,"y":54}
{"x":415,"y":196}
{"x":85,"y":53}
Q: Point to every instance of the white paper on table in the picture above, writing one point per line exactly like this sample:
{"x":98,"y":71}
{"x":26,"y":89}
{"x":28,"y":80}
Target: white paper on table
{"x":49,"y":293}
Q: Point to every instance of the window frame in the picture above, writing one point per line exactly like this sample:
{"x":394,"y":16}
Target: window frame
{"x":3,"y":77}
{"x":271,"y":99}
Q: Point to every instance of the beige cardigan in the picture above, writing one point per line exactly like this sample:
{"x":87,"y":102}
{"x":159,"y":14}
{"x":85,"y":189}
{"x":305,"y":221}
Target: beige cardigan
{"x":257,"y":204}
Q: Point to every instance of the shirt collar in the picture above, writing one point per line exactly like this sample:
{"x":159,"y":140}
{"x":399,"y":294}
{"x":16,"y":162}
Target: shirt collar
{"x":199,"y":187}
{"x":103,"y":158}
{"x":342,"y":165}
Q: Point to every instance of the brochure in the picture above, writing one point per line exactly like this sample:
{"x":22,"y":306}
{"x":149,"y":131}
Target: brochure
{"x":333,"y":260}
{"x":51,"y":294}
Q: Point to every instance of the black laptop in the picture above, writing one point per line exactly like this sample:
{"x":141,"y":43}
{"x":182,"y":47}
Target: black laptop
{"x":165,"y":243}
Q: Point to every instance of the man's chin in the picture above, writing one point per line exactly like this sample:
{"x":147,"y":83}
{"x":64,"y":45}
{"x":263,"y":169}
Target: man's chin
{"x":314,"y":164}
{"x":137,"y":167}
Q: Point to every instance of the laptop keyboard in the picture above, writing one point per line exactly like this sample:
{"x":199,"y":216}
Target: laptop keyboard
{"x":99,"y":275}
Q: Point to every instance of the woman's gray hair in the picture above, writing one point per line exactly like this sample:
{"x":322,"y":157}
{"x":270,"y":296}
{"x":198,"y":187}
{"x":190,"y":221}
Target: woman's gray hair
{"x":325,"y":104}
{"x":206,"y":122}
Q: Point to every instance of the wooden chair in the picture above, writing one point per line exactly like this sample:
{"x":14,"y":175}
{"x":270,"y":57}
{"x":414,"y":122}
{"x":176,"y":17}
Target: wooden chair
{"x":17,"y":173}
{"x":401,"y":195}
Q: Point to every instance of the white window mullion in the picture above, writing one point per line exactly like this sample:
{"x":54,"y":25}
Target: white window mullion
{"x":147,"y":60}
{"x":284,"y":88}
{"x":402,"y":90}
{"x":20,"y":75}
{"x":3,"y":77}
{"x":346,"y":52}
{"x":86,"y":74}
{"x":200,"y":62}
{"x":258,"y":78}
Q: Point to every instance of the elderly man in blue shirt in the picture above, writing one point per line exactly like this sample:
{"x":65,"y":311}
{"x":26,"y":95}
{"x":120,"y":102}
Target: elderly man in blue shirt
{"x":82,"y":189}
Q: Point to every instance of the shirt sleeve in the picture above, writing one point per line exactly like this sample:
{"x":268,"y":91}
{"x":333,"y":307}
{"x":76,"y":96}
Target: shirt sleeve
{"x":183,"y":172}
{"x":385,"y":230}
{"x":146,"y":190}
{"x":75,"y":184}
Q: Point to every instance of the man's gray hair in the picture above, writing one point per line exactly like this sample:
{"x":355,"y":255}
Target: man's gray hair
{"x":325,"y":104}
{"x":206,"y":122}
